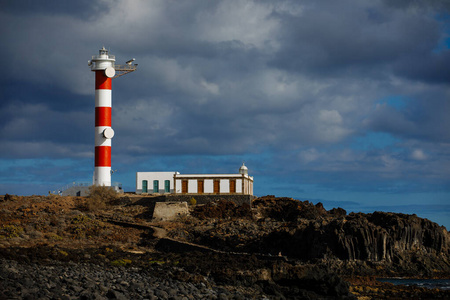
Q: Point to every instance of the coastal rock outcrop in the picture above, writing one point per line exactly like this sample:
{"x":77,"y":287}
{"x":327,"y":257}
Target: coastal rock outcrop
{"x":279,"y":248}
{"x":396,"y":242}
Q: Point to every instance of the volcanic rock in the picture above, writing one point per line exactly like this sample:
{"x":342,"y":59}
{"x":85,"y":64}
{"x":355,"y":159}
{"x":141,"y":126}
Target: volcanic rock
{"x":280,"y":248}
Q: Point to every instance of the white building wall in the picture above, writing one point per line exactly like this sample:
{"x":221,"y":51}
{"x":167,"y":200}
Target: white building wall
{"x":248,"y":187}
{"x":150,"y":177}
{"x":224,"y":186}
{"x":238,"y":186}
{"x":208,"y":186}
{"x":192,"y":186}
{"x":178,"y":186}
{"x":245,"y":186}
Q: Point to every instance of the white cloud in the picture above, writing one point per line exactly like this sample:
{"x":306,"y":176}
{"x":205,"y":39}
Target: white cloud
{"x":210,"y":87}
{"x":309,"y":155}
{"x":331,"y":117}
{"x":247,"y":22}
{"x":418,"y":154}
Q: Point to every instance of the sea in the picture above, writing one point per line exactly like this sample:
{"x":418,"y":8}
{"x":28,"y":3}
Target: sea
{"x":443,"y":284}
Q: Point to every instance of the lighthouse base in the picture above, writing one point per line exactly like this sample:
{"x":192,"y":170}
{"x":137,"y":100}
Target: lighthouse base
{"x":102,"y":176}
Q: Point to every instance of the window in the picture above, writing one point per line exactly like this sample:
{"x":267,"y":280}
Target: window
{"x":144,"y":186}
{"x":167,"y":186}
{"x":155,"y":186}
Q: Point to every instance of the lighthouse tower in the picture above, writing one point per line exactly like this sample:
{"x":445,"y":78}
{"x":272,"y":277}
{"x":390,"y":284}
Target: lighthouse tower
{"x":105,"y":69}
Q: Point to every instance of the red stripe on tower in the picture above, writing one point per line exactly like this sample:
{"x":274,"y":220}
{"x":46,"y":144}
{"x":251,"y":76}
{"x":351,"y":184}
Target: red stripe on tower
{"x":103,"y":116}
{"x":103,"y":156}
{"x":102,"y":82}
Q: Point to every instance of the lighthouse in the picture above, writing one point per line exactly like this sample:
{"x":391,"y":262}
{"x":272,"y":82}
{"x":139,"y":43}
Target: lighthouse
{"x":105,"y":70}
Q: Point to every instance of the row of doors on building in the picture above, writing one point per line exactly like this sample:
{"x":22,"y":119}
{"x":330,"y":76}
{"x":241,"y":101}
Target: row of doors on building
{"x":201,"y":189}
{"x":156,"y":186}
{"x":184,"y":186}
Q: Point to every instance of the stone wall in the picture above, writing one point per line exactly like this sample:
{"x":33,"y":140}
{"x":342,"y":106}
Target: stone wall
{"x":76,"y":191}
{"x":83,"y":191}
{"x":203,"y":199}
{"x":165,"y":211}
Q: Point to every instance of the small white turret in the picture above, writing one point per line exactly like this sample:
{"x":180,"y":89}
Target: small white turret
{"x":243,"y":170}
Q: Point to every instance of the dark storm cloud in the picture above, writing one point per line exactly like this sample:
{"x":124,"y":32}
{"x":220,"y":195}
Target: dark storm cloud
{"x":38,"y":122}
{"x":439,"y":5}
{"x":422,"y":119}
{"x":337,"y":39}
{"x":288,"y":84}
{"x":212,"y":80}
{"x":83,"y":9}
{"x":431,"y":68}
{"x":361,"y":41}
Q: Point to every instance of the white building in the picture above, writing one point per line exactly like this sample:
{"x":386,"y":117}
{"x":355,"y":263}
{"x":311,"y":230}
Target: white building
{"x":176,"y":183}
{"x":155,"y":182}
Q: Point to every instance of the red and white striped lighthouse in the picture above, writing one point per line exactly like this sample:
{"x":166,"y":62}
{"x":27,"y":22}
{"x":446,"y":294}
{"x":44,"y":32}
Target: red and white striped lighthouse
{"x":103,"y":65}
{"x":105,"y":69}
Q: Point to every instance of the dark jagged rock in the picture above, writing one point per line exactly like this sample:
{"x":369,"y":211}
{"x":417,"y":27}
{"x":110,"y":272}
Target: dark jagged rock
{"x":338,"y":212}
{"x":396,"y":243}
{"x":409,"y":232}
{"x":288,"y":209}
{"x":222,"y":209}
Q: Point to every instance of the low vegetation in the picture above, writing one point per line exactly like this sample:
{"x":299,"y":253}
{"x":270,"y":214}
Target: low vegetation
{"x":10,"y":231}
{"x":121,"y":262}
{"x":100,"y":196}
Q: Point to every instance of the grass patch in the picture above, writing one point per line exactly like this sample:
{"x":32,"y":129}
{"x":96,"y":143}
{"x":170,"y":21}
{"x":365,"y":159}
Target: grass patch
{"x":121,"y":262}
{"x":10,"y":231}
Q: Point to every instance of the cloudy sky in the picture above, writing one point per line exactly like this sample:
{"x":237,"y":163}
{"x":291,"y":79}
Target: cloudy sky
{"x":342,"y":102}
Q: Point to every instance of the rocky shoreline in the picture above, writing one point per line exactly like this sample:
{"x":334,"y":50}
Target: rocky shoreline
{"x":53,"y":273}
{"x":58,"y":248}
{"x":204,"y":275}
{"x":89,"y":281}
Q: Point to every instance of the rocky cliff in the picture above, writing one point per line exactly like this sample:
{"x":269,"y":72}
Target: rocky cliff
{"x":298,"y":229}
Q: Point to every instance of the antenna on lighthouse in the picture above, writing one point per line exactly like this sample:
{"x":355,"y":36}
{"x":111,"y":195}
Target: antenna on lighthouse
{"x":126,"y":68}
{"x":105,"y":70}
